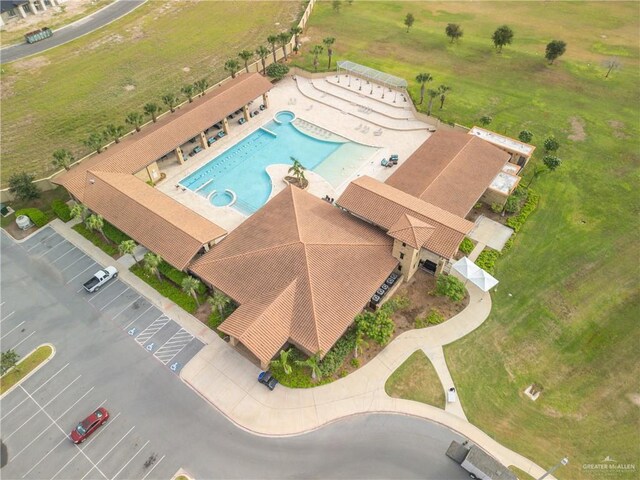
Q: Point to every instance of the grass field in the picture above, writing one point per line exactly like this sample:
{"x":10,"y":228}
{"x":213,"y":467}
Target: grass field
{"x":55,"y":100}
{"x":24,"y":367}
{"x":417,"y":380}
{"x":570,"y":323}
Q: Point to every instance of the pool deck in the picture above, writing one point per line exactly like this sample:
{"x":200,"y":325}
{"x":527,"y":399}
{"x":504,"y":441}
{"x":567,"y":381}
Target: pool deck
{"x":345,"y":111}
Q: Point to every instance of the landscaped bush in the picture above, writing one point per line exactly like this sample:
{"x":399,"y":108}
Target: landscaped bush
{"x":277,"y":71}
{"x":487,"y":260}
{"x":36,"y":216}
{"x":466,"y":246}
{"x":167,"y":289}
{"x":299,"y":376}
{"x":450,"y":286}
{"x":435,"y":317}
{"x":176,"y":276}
{"x":95,"y":238}
{"x":335,"y":357}
{"x":528,"y":207}
{"x":512,"y":205}
{"x":496,"y":208}
{"x":377,"y":326}
{"x":61,"y":209}
{"x":113,"y":234}
{"x":215,"y":319}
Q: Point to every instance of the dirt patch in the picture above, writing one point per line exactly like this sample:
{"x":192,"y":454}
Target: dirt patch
{"x":32,"y":64}
{"x":113,"y":38}
{"x":618,"y":128}
{"x":13,"y":230}
{"x":129,"y":88}
{"x":634,"y":398}
{"x":186,"y":69}
{"x":577,"y":129}
{"x":6,"y":86}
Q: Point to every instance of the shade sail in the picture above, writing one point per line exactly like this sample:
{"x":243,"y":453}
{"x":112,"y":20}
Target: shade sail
{"x":372,"y":74}
{"x":466,"y":267}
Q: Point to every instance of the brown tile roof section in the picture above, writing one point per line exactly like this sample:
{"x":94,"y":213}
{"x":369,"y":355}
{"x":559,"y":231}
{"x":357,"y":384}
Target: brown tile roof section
{"x":450,"y":170}
{"x":383,"y":205}
{"x":300,"y":269}
{"x":150,"y":217}
{"x":411,"y":231}
{"x":136,"y":151}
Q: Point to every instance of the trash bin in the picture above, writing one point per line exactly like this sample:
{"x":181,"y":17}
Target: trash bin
{"x":452,"y":396}
{"x":4,"y":211}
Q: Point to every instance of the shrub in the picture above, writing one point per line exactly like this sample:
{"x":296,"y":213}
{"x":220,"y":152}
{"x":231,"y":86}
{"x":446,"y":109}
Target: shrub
{"x":509,"y":244}
{"x":421,"y":322}
{"x":525,"y":136}
{"x":466,"y":246}
{"x":496,"y":207}
{"x":478,"y":206}
{"x":36,"y":216}
{"x":551,"y":162}
{"x":397,"y":303}
{"x":512,"y":205}
{"x":355,"y":362}
{"x":96,"y":239}
{"x":526,"y":210}
{"x":377,"y":326}
{"x":61,"y":209}
{"x":22,"y":186}
{"x":449,"y":286}
{"x":335,"y":357}
{"x":113,"y":234}
{"x":487,"y":260}
{"x":551,"y":144}
{"x":434,"y":317}
{"x":167,"y":289}
{"x":214,"y":322}
{"x":176,"y":276}
{"x":277,"y":71}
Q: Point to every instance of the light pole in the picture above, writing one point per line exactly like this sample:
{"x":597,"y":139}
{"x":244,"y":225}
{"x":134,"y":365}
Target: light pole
{"x":562,"y":463}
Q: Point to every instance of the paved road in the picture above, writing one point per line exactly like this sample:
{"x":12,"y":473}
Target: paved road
{"x":158,"y":424}
{"x":71,"y":32}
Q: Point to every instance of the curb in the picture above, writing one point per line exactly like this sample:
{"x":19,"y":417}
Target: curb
{"x":45,"y":361}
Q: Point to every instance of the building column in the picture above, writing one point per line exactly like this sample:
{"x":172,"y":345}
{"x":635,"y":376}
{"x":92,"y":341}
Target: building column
{"x":23,"y":14}
{"x":44,"y":5}
{"x":203,"y":140}
{"x":225,"y":125}
{"x":1,"y":23}
{"x":265,"y":99}
{"x":264,"y":365}
{"x":233,"y":340}
{"x":245,"y":112}
{"x":179,"y":156}
{"x":32,"y":6}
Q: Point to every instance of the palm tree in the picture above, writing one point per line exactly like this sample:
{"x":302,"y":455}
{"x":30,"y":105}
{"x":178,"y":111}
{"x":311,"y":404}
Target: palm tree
{"x":232,"y":67}
{"x":272,"y":40}
{"x":62,"y":158}
{"x":297,"y":170}
{"x":96,"y":222}
{"x":128,"y":247}
{"x":79,"y":210}
{"x":329,"y":41}
{"x":135,"y":119}
{"x":188,"y":91}
{"x":360,"y":343}
{"x":189,"y":285}
{"x":296,"y":31}
{"x":262,"y":52}
{"x":201,"y":86}
{"x":95,"y":141}
{"x":442,"y":90}
{"x":283,"y":39}
{"x":423,"y":78}
{"x":219,"y":301}
{"x":151,"y":109}
{"x":152,"y":263}
{"x":246,"y":55}
{"x":170,"y":100}
{"x":113,"y":132}
{"x":431,"y":93}
{"x":283,"y":362}
{"x":313,"y":362}
{"x":316,"y":50}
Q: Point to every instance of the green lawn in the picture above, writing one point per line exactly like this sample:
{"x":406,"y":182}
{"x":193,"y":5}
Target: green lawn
{"x":570,"y":323}
{"x":55,"y":100}
{"x":24,"y":367}
{"x":417,"y":380}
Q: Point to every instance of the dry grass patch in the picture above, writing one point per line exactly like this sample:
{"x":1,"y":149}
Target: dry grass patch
{"x":416,"y":380}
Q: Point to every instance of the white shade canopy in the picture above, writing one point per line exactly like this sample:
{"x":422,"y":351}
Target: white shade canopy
{"x":483,"y":280}
{"x":465,"y":267}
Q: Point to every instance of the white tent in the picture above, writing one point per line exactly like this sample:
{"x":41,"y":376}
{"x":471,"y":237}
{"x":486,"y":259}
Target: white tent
{"x":466,"y":267}
{"x":483,"y":280}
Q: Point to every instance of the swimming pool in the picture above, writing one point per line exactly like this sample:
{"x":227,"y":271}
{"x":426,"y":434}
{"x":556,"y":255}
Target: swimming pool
{"x":238,"y":177}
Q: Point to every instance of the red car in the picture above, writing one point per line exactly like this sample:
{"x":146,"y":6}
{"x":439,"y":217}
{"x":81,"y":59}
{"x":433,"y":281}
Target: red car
{"x":89,"y":425}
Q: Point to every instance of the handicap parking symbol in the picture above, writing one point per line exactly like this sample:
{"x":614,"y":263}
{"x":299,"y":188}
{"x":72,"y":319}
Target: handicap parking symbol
{"x":150,"y":347}
{"x":174,"y":366}
{"x":132,"y":331}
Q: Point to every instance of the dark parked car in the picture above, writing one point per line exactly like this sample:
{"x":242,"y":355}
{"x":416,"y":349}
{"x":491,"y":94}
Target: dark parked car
{"x":89,"y":425}
{"x":267,"y":379}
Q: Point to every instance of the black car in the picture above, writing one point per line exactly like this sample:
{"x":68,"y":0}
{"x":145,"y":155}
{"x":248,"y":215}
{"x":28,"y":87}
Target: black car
{"x":267,"y":379}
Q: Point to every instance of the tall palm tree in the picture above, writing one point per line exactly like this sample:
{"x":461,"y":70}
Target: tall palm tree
{"x":272,"y":40}
{"x":296,"y":31}
{"x":79,"y":210}
{"x":134,"y":119}
{"x":313,"y":362}
{"x":360,"y":342}
{"x":188,"y":91}
{"x":95,"y":141}
{"x":113,"y":132}
{"x":170,"y":100}
{"x":283,"y":361}
{"x":316,"y":50}
{"x":96,"y":222}
{"x":283,"y":39}
{"x":189,"y":285}
{"x":297,"y":170}
{"x":431,"y":93}
{"x":152,"y":263}
{"x":442,"y":90}
{"x":423,"y":78}
{"x":201,"y":86}
{"x":246,"y":55}
{"x":128,"y":247}
{"x":328,"y":42}
{"x":220,"y":301}
{"x":232,"y":67}
{"x":62,"y":158}
{"x":262,"y":52}
{"x":151,"y":109}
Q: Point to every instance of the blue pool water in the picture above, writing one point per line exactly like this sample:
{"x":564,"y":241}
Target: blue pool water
{"x":240,"y":170}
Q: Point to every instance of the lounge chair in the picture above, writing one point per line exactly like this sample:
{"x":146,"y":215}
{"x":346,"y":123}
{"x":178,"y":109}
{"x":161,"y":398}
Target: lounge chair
{"x":211,"y":140}
{"x":241,"y":121}
{"x":384,"y":162}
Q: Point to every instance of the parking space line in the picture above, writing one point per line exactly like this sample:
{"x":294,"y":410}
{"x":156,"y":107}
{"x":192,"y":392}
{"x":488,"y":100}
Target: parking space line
{"x":90,"y":266}
{"x":17,"y":326}
{"x":102,"y":290}
{"x":74,"y":404}
{"x":42,"y":240}
{"x":114,"y":298}
{"x":110,"y":450}
{"x":157,"y":463}
{"x":51,"y":248}
{"x":152,"y":329}
{"x":63,"y":432}
{"x":125,"y":465}
{"x":76,"y":261}
{"x":139,"y":296}
{"x":45,"y":456}
{"x":7,"y":316}
{"x":148,"y":308}
{"x":65,"y":253}
{"x":31,"y":442}
{"x":25,"y":338}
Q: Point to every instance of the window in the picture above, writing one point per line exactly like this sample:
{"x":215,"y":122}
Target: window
{"x":401,"y":256}
{"x":404,"y":244}
{"x":12,"y":13}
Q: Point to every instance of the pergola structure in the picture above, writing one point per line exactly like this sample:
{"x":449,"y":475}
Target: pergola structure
{"x":372,"y":76}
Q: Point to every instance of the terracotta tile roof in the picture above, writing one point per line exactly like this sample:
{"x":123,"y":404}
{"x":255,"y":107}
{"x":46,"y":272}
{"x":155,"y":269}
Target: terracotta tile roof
{"x":411,"y":231}
{"x":150,"y":217}
{"x":383,"y":205}
{"x":450,"y":170}
{"x":300,"y":269}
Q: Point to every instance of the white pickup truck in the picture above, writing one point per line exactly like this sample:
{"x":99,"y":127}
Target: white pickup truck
{"x":100,"y":278}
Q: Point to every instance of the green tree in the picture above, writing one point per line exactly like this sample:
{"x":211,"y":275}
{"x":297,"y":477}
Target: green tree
{"x":135,"y":119}
{"x":551,"y":144}
{"x":423,"y":79}
{"x":315,"y":51}
{"x":113,"y":132}
{"x":555,"y":49}
{"x":190,"y":285}
{"x":262,"y":52}
{"x":152,"y":263}
{"x":128,"y":247}
{"x":501,"y":37}
{"x":525,"y":136}
{"x":297,"y":170}
{"x":96,"y":222}
{"x":21,"y":185}
{"x":8,"y":360}
{"x":337,"y":4}
{"x":95,"y":141}
{"x":246,"y":55}
{"x":449,"y":286}
{"x":63,"y":158}
{"x":277,"y":71}
{"x":170,"y":100}
{"x":232,"y":66}
{"x":431,"y":94}
{"x":151,"y":109}
{"x":454,"y":31}
{"x":485,"y":120}
{"x":313,"y":363}
{"x":296,"y":31}
{"x":220,"y":301}
{"x":283,"y":40}
{"x":273,"y":40}
{"x":188,"y":91}
{"x":79,"y":210}
{"x":442,"y":90}
{"x":377,"y":326}
{"x":409,"y":21}
{"x":283,"y":361}
{"x":551,"y":162}
{"x":360,"y":342}
{"x":328,"y":42}
{"x":201,"y":86}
